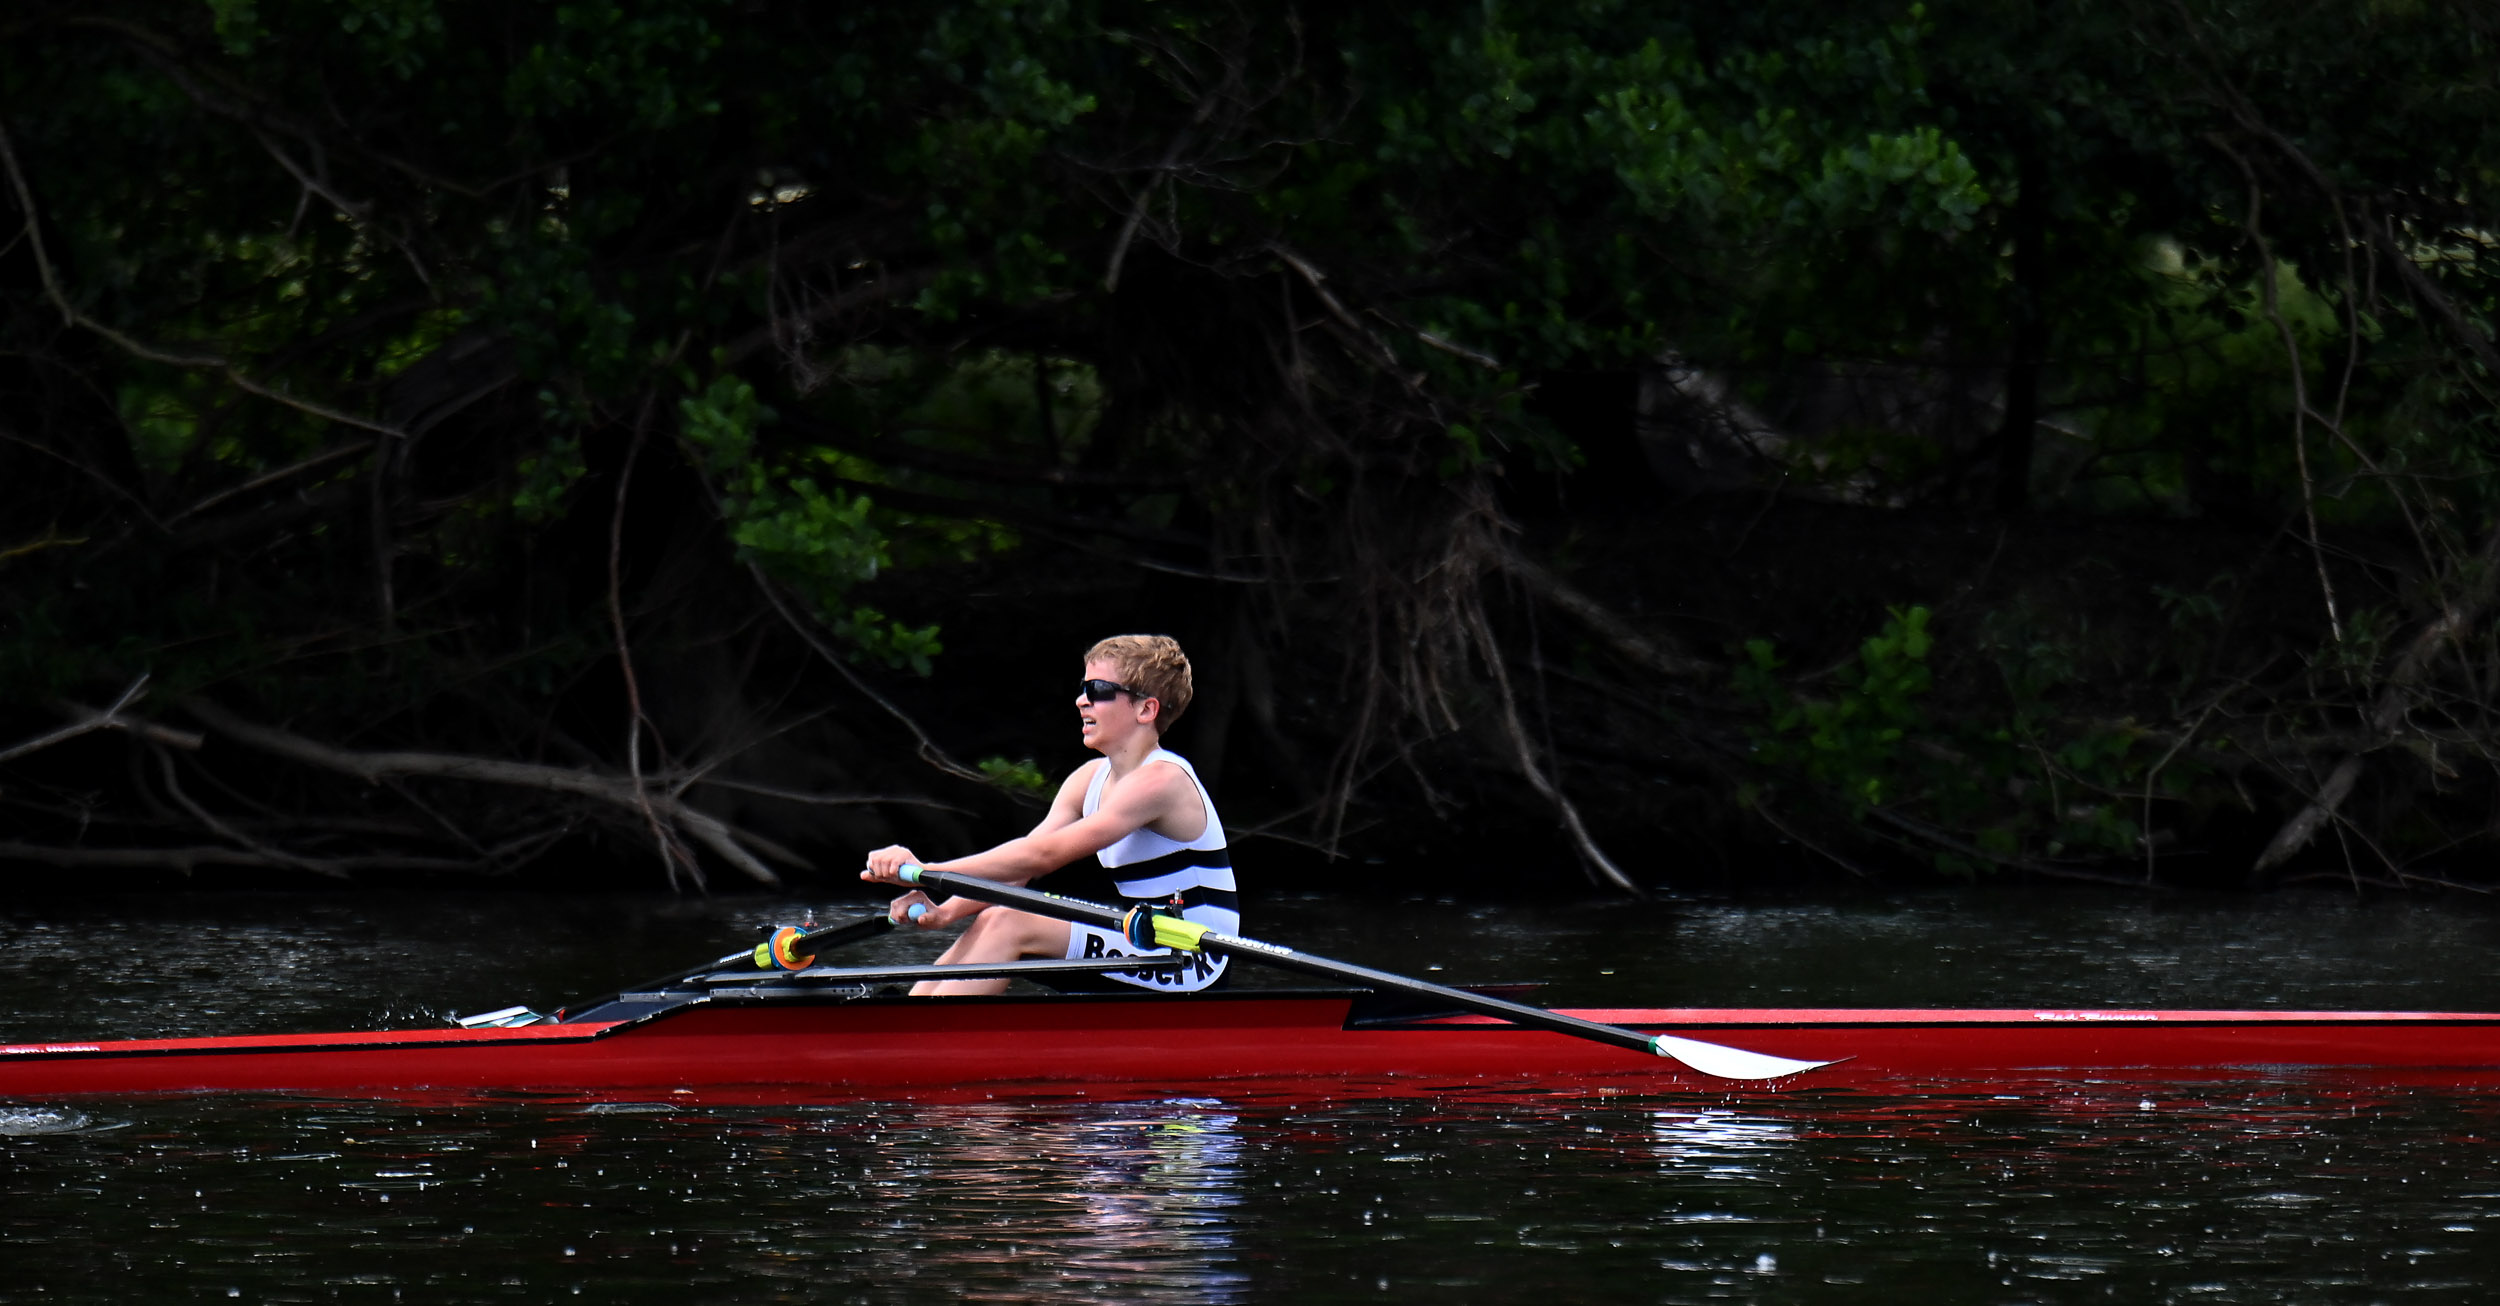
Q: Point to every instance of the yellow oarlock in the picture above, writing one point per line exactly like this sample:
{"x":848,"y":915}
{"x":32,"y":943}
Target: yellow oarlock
{"x":1148,"y":928}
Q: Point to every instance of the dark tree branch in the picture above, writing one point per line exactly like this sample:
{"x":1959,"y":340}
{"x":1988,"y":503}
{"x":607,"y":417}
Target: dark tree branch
{"x":376,"y":767}
{"x":86,"y":720}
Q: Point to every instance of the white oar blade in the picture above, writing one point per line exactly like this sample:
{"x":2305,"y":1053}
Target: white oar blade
{"x":1730,"y":1063}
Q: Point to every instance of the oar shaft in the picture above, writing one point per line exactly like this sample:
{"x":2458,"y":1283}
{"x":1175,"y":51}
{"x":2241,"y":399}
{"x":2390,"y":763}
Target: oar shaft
{"x":1016,"y":895}
{"x":1284,"y":958}
{"x":811,"y":941}
{"x":794,"y":947}
{"x":1483,"y":1004}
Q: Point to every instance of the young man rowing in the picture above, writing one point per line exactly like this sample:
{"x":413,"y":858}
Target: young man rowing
{"x":1140,"y":810}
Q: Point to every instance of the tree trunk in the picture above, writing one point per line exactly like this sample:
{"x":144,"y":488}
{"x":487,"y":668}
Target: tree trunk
{"x":2030,"y":336}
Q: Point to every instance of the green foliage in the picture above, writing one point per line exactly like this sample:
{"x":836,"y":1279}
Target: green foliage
{"x":1764,"y":143}
{"x":979,"y":405}
{"x":544,"y":479}
{"x":2009,"y":783}
{"x":1852,"y":741}
{"x":1775,"y":168}
{"x":857,"y":260}
{"x":1021,"y":775}
{"x":821,"y":542}
{"x":2204,"y":425}
{"x":2196,"y":620}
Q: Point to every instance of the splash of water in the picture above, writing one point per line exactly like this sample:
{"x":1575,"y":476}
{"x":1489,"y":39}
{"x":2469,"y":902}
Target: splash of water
{"x":19,"y":1122}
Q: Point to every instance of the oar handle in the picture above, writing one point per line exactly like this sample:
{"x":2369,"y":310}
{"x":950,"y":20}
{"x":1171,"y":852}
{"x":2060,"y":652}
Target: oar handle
{"x":1014,"y":895}
{"x":1141,"y":925}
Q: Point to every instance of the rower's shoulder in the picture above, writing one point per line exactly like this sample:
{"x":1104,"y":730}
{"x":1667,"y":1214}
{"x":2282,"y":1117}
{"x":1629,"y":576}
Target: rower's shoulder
{"x":1169,"y":767}
{"x":1172,"y":762}
{"x":1151,"y":781}
{"x":1172,"y":780}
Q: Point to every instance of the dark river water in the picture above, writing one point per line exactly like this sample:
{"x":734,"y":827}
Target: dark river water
{"x":2249,"y":1191}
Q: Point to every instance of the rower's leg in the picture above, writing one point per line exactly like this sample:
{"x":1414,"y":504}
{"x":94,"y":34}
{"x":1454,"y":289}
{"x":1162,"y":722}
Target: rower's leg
{"x":999,"y":934}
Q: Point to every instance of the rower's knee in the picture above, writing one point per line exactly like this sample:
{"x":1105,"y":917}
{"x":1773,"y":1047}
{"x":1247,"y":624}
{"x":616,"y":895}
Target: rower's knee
{"x":1004,"y":934}
{"x":1040,"y":936}
{"x":1023,"y":934}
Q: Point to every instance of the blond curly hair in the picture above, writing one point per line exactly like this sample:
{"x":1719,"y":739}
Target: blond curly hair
{"x":1154,"y":666}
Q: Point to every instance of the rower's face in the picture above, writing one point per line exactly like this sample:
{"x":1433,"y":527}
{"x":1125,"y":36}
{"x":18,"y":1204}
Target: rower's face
{"x":1103,"y":723}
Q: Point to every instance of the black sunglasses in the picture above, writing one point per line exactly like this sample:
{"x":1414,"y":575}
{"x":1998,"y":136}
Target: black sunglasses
{"x":1104,"y":691}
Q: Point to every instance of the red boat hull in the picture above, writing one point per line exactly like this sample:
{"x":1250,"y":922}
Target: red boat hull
{"x":1078,"y":1044}
{"x":988,"y":1044}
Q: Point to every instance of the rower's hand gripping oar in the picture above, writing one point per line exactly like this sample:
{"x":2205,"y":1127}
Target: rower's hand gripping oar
{"x":1147,"y":928}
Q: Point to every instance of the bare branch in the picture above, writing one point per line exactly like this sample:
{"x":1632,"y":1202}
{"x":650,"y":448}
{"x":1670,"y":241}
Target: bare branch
{"x":86,"y":720}
{"x":50,"y":539}
{"x":2395,"y":702}
{"x":1929,"y":834}
{"x":1448,"y":346}
{"x":895,"y":452}
{"x":1145,"y":194}
{"x":1644,"y":651}
{"x":376,"y":767}
{"x":672,"y":853}
{"x":1764,"y":811}
{"x":278,"y":856}
{"x":341,"y":453}
{"x":1515,"y":731}
{"x":930,"y":752}
{"x":2270,"y":296}
{"x":71,"y":316}
{"x":828,"y":800}
{"x":186,"y":860}
{"x":886,"y":286}
{"x":1318,"y":282}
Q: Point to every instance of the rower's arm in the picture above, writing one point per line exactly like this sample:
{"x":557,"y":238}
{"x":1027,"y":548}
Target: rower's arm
{"x":1067,"y":807}
{"x":1140,"y":800}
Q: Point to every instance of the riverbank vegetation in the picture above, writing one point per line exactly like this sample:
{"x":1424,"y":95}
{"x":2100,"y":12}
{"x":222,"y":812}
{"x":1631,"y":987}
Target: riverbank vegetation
{"x":1580,"y":442}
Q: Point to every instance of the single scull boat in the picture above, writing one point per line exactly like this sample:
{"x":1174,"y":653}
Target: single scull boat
{"x":815,"y":1034}
{"x":776,"y":1020}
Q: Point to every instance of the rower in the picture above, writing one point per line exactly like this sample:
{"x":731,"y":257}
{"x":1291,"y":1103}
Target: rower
{"x":1140,"y":810}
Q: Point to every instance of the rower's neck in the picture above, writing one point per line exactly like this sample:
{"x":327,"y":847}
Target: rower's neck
{"x":1132,"y":754}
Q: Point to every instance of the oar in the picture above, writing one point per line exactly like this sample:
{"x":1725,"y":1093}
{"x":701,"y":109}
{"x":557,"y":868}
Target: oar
{"x":792,"y":947}
{"x":1147,"y":928}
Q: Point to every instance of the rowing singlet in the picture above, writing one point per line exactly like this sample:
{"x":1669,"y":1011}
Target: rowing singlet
{"x":1147,"y":867}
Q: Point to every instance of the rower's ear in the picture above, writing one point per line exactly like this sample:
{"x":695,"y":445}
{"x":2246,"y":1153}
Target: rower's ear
{"x":1150,"y":712}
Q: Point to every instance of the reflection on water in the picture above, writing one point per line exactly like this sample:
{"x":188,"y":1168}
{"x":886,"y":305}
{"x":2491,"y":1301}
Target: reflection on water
{"x":2247,"y":1193}
{"x":1033,"y":1204}
{"x":1718,"y":1142}
{"x":1016,"y":1203}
